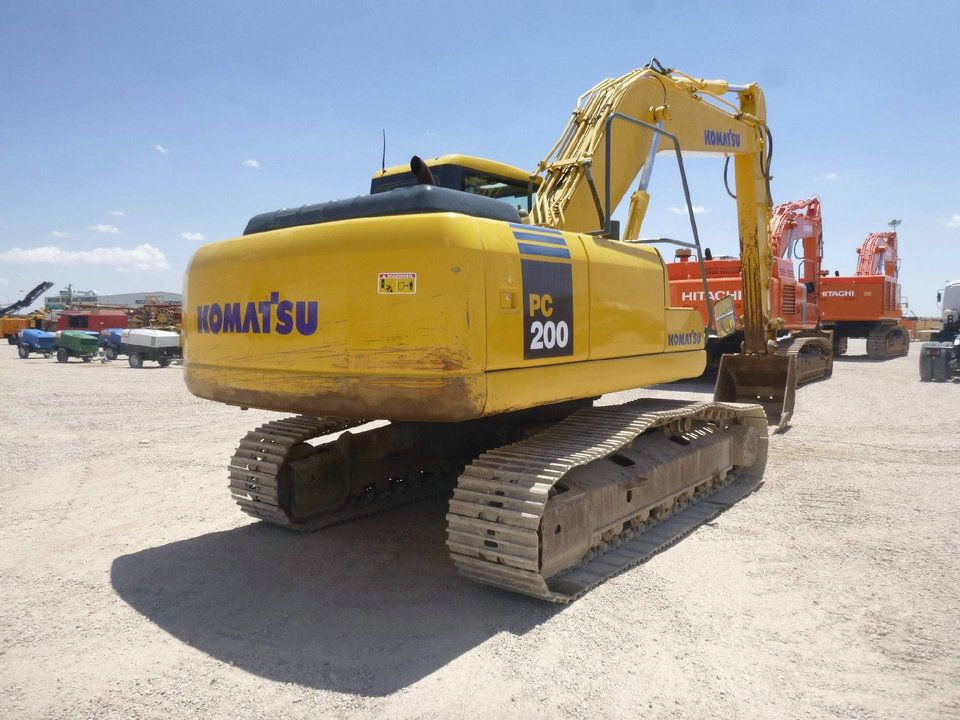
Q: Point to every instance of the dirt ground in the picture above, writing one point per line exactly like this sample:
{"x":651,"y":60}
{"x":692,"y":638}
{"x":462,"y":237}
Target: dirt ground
{"x":132,"y":587}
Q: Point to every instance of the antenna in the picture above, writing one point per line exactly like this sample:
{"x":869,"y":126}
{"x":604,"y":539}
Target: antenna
{"x":383,"y":158}
{"x":894,"y":223}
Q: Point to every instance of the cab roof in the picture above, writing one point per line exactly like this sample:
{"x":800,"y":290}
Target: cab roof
{"x":490,"y":167}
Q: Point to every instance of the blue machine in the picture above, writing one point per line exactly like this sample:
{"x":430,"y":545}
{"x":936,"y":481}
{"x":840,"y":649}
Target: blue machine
{"x":35,"y":341}
{"x":110,"y":341}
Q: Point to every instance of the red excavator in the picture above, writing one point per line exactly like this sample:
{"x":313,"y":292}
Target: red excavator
{"x":867,"y":304}
{"x":795,"y":225}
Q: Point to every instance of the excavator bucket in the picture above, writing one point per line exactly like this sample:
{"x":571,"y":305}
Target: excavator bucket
{"x":769,"y":379}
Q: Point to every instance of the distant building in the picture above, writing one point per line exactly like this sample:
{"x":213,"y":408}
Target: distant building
{"x":134,"y":300}
{"x":90,"y":297}
{"x":65,"y":297}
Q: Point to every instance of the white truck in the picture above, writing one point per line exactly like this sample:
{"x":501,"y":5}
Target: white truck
{"x":141,"y":344}
{"x":940,"y":358}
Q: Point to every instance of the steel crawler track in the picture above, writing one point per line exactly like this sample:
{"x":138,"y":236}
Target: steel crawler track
{"x":256,"y":464}
{"x":886,"y":341}
{"x":814,"y":357}
{"x":494,"y":522}
{"x":500,"y":498}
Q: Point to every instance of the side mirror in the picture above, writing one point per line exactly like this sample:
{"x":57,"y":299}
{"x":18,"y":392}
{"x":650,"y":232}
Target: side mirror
{"x":725,"y":313}
{"x":939,"y":297}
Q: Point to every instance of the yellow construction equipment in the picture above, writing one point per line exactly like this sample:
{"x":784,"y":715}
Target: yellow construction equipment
{"x":484,"y":333}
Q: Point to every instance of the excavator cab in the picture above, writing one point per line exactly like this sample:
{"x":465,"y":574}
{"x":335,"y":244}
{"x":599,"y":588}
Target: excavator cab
{"x":472,"y":175}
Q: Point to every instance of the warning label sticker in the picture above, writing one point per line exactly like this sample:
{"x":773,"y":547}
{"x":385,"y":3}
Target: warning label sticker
{"x":397,"y":283}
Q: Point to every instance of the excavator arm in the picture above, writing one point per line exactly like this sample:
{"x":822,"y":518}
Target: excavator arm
{"x":589,"y":171}
{"x":800,"y":221}
{"x":878,"y":255}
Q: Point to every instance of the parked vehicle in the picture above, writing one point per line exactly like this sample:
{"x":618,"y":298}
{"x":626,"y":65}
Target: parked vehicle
{"x":110,"y":341}
{"x":76,"y":343}
{"x":91,"y":320}
{"x":940,"y":358}
{"x":160,"y":346}
{"x":10,"y":326}
{"x":35,"y":341}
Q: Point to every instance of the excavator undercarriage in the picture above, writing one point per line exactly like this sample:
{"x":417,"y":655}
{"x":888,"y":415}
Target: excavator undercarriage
{"x":545,"y":508}
{"x":813,"y":352}
{"x":885,"y":340}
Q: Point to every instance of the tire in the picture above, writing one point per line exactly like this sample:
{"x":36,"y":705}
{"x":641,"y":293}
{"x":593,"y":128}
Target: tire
{"x":11,"y":339}
{"x":940,"y":371}
{"x":926,"y":367}
{"x":839,"y":346}
{"x":163,"y":362}
{"x":135,"y":360}
{"x":23,"y":352}
{"x":111,"y":354}
{"x":62,"y":355}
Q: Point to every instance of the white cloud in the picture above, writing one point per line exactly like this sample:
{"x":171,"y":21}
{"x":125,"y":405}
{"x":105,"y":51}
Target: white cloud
{"x":193,"y":236}
{"x":105,"y":229}
{"x":252,"y":163}
{"x":116,"y":213}
{"x":831,"y":176}
{"x":162,"y":150}
{"x":142,"y":257}
{"x":60,"y":234}
{"x":697,"y":210}
{"x":954,"y":221}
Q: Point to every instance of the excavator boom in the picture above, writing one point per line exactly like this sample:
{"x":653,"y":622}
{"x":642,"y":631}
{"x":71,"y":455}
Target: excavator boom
{"x":584,"y":180}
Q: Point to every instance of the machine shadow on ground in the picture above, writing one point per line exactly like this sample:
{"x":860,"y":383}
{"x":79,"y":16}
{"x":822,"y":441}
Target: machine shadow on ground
{"x":366,"y":608}
{"x":703,"y":384}
{"x":861,"y":359}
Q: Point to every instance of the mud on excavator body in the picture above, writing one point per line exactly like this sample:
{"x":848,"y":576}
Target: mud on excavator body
{"x":433,"y":316}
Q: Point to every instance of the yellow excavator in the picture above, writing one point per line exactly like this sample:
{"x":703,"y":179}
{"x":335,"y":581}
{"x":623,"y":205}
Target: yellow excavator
{"x":481,"y":310}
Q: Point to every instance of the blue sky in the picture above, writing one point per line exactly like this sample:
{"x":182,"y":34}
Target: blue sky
{"x":126,"y":128}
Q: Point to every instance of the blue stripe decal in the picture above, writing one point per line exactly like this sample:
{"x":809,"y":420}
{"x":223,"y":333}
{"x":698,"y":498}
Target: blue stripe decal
{"x":540,"y":238}
{"x":534,"y":228}
{"x":545,"y":251}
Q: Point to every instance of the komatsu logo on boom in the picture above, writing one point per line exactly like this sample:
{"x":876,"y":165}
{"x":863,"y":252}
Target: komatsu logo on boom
{"x":688,"y":338}
{"x":719,"y":138}
{"x":263,"y":317}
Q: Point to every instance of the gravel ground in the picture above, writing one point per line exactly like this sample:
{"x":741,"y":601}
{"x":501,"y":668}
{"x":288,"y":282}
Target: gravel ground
{"x":131,"y":587}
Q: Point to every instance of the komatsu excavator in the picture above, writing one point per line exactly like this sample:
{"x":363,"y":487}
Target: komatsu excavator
{"x":484,"y":336}
{"x":794,"y":297}
{"x":867,"y":303}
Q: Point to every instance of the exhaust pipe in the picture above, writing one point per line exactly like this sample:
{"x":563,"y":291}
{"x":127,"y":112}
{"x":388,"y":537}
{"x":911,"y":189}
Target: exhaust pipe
{"x":421,"y":172}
